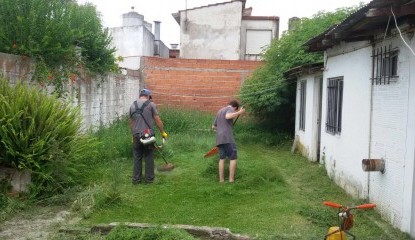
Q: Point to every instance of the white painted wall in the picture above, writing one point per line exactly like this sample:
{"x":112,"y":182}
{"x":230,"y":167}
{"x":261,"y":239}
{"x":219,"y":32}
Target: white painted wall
{"x":388,"y":134}
{"x":393,"y":132}
{"x":134,"y":39}
{"x":264,"y":30}
{"x":307,"y":138}
{"x":409,"y":200}
{"x":343,"y":153}
{"x":132,"y":43}
{"x":211,"y":32}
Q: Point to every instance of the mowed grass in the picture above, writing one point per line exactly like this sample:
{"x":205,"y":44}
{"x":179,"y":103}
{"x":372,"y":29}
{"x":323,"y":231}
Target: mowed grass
{"x":277,"y":194}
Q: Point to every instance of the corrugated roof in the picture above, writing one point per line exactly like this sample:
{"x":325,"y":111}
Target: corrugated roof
{"x":365,"y":23}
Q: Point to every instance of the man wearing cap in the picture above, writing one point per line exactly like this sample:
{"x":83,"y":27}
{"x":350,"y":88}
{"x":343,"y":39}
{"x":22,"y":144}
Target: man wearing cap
{"x":143,"y":114}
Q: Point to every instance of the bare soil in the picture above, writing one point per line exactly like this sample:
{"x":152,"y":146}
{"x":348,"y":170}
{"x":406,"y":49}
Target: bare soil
{"x":37,"y":223}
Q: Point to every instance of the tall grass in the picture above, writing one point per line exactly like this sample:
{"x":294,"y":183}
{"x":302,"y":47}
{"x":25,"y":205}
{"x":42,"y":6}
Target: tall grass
{"x":115,"y":140}
{"x":41,"y":134}
{"x":277,"y":195}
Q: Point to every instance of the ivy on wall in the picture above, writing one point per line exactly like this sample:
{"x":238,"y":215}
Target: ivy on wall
{"x":63,"y":37}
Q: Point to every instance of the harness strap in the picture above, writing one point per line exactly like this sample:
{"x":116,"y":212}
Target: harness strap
{"x":140,"y":110}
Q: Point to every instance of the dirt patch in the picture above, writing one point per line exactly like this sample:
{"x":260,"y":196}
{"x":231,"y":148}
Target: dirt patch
{"x":38,"y":223}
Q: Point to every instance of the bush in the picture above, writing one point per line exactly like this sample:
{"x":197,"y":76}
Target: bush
{"x":267,"y":92}
{"x":62,"y":36}
{"x":41,"y":133}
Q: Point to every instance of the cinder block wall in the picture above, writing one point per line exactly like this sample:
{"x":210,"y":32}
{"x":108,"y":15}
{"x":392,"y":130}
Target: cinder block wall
{"x":101,"y":99}
{"x":200,"y":84}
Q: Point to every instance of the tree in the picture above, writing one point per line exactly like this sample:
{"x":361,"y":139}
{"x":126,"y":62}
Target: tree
{"x":60,"y":35}
{"x":267,"y":93}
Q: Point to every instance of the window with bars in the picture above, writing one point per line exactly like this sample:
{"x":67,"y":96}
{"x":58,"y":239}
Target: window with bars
{"x":385,"y":65}
{"x":303,"y":91}
{"x":334,"y":105}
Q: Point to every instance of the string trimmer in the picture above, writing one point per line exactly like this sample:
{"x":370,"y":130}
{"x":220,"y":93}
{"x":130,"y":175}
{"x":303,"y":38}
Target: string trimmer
{"x":215,"y":149}
{"x":166,"y":166}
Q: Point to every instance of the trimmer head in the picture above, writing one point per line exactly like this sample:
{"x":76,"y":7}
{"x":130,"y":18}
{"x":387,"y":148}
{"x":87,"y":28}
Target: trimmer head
{"x":165,"y":167}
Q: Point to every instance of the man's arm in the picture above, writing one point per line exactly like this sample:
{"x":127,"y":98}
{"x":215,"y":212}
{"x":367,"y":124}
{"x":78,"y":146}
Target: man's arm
{"x":159,"y":123}
{"x":235,"y":114}
{"x":214,"y":124}
{"x":131,"y":124}
{"x":131,"y":121}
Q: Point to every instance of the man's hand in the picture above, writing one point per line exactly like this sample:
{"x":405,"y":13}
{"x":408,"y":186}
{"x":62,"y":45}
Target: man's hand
{"x":213,"y":128}
{"x":241,"y":110}
{"x":164,"y":135}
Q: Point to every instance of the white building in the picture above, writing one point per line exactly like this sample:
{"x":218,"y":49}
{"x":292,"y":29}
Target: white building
{"x":224,"y":31}
{"x":361,"y":105}
{"x":135,"y":39}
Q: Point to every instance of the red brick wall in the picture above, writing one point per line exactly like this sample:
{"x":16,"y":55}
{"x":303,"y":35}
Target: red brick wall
{"x":201,"y":84}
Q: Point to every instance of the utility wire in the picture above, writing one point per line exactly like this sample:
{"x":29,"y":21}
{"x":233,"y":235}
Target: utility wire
{"x":264,"y":90}
{"x":400,"y":33}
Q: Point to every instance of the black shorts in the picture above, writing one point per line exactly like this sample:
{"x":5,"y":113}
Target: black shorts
{"x":228,"y":150}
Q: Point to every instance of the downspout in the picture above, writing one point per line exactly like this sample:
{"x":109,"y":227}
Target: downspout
{"x":371,"y":115}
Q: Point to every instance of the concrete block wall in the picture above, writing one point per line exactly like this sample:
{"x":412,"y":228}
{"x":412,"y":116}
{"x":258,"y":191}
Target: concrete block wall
{"x":105,"y":98}
{"x":393,"y":140}
{"x":102,"y":99}
{"x":15,"y":67}
{"x":200,"y":84}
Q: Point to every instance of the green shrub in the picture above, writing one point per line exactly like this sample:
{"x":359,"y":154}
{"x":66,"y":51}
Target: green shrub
{"x":62,"y":36}
{"x":41,"y":133}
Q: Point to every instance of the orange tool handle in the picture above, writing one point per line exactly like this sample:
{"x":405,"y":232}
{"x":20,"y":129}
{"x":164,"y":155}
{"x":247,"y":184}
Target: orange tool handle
{"x":332,"y":204}
{"x":366,"y":206}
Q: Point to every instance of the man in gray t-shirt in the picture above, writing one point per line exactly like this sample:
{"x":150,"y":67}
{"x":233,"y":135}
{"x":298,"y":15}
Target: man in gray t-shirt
{"x":139,"y":125}
{"x":223,"y":125}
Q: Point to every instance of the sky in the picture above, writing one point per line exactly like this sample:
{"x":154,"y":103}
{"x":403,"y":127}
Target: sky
{"x":161,"y":10}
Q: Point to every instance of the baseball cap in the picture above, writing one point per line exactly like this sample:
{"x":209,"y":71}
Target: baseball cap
{"x":145,"y":91}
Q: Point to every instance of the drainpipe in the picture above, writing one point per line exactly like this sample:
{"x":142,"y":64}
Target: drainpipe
{"x":371,"y":116}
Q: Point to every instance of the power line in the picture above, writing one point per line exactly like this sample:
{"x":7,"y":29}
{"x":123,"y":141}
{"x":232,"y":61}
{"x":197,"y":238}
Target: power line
{"x":261,"y":91}
{"x":400,"y":33}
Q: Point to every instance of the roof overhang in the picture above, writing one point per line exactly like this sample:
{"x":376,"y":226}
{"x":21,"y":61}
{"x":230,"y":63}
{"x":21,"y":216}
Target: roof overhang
{"x":302,"y":70}
{"x":365,"y":23}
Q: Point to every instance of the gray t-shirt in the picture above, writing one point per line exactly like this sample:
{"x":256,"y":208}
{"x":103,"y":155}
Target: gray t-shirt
{"x":224,"y":132}
{"x":148,"y":112}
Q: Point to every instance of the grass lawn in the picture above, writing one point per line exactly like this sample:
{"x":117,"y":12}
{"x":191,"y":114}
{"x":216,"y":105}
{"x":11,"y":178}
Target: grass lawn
{"x":276,"y":195}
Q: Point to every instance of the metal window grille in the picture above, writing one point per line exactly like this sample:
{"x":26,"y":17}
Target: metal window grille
{"x":303,"y":91}
{"x":385,"y":65}
{"x":334,"y":105}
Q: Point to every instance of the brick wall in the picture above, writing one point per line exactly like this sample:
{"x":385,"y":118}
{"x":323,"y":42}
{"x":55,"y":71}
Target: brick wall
{"x":205,"y":85}
{"x":198,"y":84}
